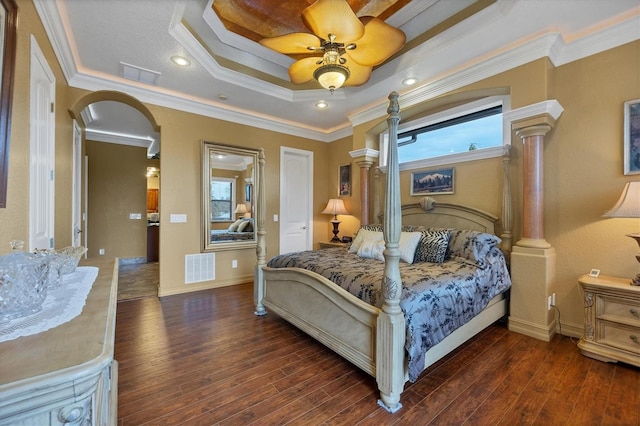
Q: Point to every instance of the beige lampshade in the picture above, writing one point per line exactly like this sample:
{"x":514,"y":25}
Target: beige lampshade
{"x":241,"y":209}
{"x":335,"y":206}
{"x":629,"y":203}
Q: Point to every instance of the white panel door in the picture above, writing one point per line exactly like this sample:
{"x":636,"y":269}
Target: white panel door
{"x":42,"y":151}
{"x":296,"y":200}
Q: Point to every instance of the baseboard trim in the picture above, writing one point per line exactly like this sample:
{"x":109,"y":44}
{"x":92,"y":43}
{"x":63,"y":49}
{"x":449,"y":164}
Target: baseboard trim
{"x":204,"y":286}
{"x":533,"y":330}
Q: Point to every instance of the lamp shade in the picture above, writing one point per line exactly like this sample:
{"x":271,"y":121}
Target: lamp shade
{"x":629,"y":203}
{"x":335,"y":206}
{"x":241,"y":209}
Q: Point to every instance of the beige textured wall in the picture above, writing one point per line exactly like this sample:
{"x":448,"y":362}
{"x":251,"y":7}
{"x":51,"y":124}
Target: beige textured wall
{"x":584,"y":173}
{"x":14,"y":219}
{"x":117,"y":187}
{"x":180,"y":189}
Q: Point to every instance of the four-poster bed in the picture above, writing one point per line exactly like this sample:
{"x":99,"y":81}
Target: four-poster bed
{"x":374,"y":335}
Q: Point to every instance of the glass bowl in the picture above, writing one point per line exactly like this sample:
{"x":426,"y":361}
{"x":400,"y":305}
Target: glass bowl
{"x":69,"y":258}
{"x":23,"y":284}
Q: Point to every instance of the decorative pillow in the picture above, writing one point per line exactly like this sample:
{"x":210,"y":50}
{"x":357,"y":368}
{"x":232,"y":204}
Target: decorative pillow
{"x":414,"y":228}
{"x":433,"y":246}
{"x":371,"y":249}
{"x":364,"y":234}
{"x":245,"y":226}
{"x":407,"y":245}
{"x":472,"y":246}
{"x":234,"y":226}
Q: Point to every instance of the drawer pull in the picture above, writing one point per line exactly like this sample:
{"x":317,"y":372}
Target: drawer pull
{"x":634,"y":339}
{"x":634,"y":312}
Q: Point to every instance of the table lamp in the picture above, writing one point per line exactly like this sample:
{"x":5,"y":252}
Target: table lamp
{"x":241,"y":210}
{"x":628,"y":206}
{"x":335,"y":206}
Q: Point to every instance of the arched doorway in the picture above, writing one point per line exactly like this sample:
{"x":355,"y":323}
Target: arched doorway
{"x":120,"y":144}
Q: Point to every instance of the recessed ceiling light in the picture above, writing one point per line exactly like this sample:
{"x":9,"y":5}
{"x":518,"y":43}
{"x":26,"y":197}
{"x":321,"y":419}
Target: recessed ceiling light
{"x":409,"y":81}
{"x":322,"y":105}
{"x":180,"y":60}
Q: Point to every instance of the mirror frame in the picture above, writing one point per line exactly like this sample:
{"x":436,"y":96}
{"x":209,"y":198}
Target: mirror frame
{"x":8,"y":41}
{"x":207,"y":245}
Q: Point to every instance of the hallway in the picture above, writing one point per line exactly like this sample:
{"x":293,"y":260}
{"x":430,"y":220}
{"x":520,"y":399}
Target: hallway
{"x":138,"y":281}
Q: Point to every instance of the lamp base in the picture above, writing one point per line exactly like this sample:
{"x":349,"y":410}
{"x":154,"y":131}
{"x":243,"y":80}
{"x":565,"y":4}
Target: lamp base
{"x":636,"y":236}
{"x":335,"y":231}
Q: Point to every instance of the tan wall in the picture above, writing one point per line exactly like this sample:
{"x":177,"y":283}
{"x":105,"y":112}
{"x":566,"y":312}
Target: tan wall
{"x":584,"y":173}
{"x":14,"y":219}
{"x":117,"y":188}
{"x":180,"y":180}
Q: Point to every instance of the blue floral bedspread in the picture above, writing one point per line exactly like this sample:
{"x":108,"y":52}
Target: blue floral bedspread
{"x":436,"y":298}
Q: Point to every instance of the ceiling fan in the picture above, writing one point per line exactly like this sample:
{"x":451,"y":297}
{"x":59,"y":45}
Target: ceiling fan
{"x":350,"y":46}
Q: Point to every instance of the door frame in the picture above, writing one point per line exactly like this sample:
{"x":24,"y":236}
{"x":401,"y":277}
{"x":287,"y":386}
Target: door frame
{"x":41,"y":212}
{"x":284,"y":150}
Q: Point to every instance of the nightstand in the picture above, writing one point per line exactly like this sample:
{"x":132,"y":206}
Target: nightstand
{"x":329,"y":244}
{"x":611,"y":319}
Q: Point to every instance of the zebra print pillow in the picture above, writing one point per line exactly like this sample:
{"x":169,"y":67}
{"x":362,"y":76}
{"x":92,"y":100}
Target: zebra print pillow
{"x":432,"y":246}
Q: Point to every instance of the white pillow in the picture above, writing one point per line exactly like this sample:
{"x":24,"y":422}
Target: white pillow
{"x":371,"y":249}
{"x":364,"y":234}
{"x":234,"y":226}
{"x":408,"y":244}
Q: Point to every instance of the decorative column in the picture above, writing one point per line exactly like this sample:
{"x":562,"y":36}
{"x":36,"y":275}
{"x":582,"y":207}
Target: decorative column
{"x":364,"y":190}
{"x":533,"y":186}
{"x":533,"y":260}
{"x":364,"y":158}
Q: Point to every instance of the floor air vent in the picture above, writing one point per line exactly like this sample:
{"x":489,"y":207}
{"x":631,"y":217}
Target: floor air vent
{"x":199,"y":267}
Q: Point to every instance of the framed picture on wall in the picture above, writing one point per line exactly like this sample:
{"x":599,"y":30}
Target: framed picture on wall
{"x":432,"y":182}
{"x":344,"y":177}
{"x":632,"y":137}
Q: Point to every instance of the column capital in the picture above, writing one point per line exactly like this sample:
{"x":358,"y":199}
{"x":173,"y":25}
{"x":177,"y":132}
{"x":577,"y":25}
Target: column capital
{"x":365,"y":157}
{"x":535,"y":130}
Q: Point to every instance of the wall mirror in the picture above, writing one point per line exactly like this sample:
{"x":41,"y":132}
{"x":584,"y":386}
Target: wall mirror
{"x":229,"y":183}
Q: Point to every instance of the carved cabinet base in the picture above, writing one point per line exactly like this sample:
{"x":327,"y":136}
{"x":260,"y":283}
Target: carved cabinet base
{"x":66,"y":375}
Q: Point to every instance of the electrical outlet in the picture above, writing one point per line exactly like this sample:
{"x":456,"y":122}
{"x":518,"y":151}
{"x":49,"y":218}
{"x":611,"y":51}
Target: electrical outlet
{"x":549,"y":303}
{"x":101,"y":252}
{"x":234,"y":263}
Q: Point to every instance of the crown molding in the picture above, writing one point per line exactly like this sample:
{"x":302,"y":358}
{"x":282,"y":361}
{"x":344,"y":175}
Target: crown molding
{"x":550,"y":45}
{"x":242,"y":44}
{"x":52,"y":22}
{"x":445,"y":75}
{"x":100,"y":136}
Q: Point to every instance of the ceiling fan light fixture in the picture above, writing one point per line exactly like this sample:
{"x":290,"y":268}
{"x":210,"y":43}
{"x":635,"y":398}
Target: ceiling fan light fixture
{"x":331,"y":76}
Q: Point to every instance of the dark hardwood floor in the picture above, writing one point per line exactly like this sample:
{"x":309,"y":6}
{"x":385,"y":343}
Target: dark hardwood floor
{"x":204,"y":358}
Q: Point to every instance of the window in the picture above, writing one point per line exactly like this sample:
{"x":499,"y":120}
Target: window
{"x":222,"y":199}
{"x":468,"y":132}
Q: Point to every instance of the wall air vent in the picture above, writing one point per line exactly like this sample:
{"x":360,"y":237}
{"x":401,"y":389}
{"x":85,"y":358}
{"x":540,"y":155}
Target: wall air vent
{"x":199,"y":267}
{"x":132,"y":72}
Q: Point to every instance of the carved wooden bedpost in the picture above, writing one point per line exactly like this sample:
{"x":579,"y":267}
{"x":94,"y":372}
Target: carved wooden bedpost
{"x":507,"y":215}
{"x":261,"y":246}
{"x":391,"y":326}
